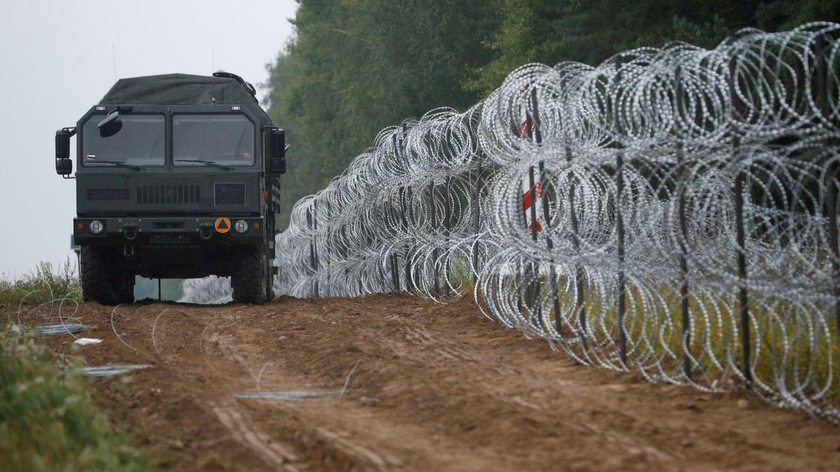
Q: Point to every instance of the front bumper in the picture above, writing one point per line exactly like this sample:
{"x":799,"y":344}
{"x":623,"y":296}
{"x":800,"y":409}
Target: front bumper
{"x":169,"y":231}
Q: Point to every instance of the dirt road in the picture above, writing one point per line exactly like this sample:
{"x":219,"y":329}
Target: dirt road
{"x":438,"y":388}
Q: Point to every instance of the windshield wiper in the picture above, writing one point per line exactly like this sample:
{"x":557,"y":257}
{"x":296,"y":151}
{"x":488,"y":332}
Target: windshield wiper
{"x":117,"y":164}
{"x":206,"y":162}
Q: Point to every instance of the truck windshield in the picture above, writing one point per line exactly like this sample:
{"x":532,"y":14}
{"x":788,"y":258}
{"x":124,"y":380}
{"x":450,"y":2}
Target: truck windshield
{"x":140,"y":142}
{"x":226,"y":140}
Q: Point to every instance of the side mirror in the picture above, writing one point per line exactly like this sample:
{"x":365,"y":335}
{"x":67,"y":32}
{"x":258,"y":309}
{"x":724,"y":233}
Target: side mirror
{"x":63,"y":164}
{"x":277,"y":166}
{"x":111,"y":125}
{"x":62,"y":143}
{"x":277,"y":144}
{"x":277,"y":151}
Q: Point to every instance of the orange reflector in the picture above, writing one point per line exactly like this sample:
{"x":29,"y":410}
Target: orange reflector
{"x":257,"y":225}
{"x":222,"y":225}
{"x":265,"y":197}
{"x":80,"y":225}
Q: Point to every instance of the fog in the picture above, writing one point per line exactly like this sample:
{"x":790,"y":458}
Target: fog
{"x":59,"y":58}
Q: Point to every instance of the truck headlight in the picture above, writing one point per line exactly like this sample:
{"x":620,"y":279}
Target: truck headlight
{"x":96,"y":226}
{"x":241,"y":226}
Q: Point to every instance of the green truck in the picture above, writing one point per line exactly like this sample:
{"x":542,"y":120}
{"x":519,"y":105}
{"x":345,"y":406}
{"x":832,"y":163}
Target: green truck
{"x":178,"y":176}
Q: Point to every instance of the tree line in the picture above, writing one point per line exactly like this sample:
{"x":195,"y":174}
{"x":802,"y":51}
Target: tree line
{"x":357,"y":66}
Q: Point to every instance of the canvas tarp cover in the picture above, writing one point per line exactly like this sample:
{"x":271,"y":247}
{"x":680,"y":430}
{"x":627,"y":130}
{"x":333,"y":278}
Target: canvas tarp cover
{"x":183,"y":89}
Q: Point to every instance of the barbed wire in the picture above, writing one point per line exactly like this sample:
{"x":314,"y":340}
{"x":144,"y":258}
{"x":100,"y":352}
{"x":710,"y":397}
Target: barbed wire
{"x":671,"y":211}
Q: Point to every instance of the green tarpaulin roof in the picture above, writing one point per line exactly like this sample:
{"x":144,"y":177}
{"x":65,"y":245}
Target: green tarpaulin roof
{"x":184,"y":89}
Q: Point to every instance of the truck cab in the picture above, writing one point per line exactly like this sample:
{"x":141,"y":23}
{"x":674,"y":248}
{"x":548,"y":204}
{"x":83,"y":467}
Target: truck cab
{"x":177,"y":176}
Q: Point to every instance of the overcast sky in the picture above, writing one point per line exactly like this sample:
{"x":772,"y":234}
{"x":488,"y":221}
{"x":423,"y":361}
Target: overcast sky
{"x":56,"y":61}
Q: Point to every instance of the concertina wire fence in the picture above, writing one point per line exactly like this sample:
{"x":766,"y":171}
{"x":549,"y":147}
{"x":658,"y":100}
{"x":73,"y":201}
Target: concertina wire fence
{"x":671,"y":211}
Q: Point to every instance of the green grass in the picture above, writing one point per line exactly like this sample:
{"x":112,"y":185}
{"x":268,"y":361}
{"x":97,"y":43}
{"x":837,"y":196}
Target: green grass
{"x":798,"y":343}
{"x":461,"y":277}
{"x":42,"y":285}
{"x":48,"y":421}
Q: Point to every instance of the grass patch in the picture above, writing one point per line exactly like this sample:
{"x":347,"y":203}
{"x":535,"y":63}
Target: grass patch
{"x":793,"y":347}
{"x":42,"y":285}
{"x":48,"y":421}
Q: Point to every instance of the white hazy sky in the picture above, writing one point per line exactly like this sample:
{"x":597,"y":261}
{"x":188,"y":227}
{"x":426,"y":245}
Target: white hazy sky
{"x":56,"y":62}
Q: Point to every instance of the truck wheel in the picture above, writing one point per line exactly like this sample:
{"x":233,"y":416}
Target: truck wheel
{"x":269,"y":283}
{"x":248,"y":280}
{"x":96,"y":276}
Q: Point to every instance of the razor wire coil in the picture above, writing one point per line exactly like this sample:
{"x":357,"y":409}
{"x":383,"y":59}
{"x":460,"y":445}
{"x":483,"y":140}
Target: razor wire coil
{"x":671,"y":211}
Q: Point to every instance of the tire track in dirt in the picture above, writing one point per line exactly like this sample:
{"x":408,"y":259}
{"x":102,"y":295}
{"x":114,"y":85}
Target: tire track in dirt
{"x":242,"y":428}
{"x":439,"y":388}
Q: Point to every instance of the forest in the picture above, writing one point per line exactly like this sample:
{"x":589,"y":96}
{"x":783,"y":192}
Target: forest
{"x":357,"y":66}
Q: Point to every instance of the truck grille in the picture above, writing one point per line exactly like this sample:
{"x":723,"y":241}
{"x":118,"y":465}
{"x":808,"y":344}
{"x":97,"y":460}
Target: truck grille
{"x":176,"y":194}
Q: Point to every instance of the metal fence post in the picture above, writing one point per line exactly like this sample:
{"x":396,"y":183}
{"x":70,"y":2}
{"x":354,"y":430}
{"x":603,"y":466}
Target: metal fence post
{"x":622,"y":282}
{"x":309,"y":227}
{"x":830,"y":177}
{"x":432,"y":204}
{"x":409,"y":248}
{"x":683,"y":236}
{"x":552,"y":275}
{"x":404,"y":226}
{"x":521,"y":292}
{"x":742,"y":269}
{"x":310,"y":223}
{"x":532,"y":290}
{"x":743,"y":296}
{"x":316,"y":257}
{"x":447,"y":221}
{"x":327,"y":249}
{"x":533,"y":269}
{"x":532,"y":196}
{"x":619,"y":221}
{"x":831,"y":204}
{"x":579,"y":285}
{"x":407,"y":209}
{"x":394,"y":258}
{"x":546,"y":211}
{"x":576,"y":244}
{"x":476,"y":218}
{"x":395,"y":277}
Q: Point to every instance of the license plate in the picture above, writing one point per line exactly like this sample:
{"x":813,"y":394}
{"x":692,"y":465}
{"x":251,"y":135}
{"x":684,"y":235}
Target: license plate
{"x":170,"y":238}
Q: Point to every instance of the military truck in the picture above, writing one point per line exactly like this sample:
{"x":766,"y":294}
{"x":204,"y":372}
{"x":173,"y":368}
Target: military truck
{"x":178,"y":176}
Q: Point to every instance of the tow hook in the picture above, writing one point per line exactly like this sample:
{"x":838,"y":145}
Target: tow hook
{"x":206,"y":232}
{"x":130,"y":232}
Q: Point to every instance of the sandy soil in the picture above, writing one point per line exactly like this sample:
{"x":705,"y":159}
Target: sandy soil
{"x":438,"y":388}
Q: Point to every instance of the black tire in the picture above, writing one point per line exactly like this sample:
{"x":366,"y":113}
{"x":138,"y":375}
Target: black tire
{"x":97,"y":277}
{"x":269,"y":283}
{"x":101,"y":281}
{"x":249,"y":280}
